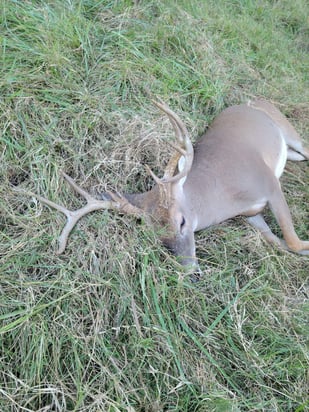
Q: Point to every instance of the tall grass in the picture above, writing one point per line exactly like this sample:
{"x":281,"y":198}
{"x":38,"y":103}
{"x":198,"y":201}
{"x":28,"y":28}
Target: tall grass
{"x":113,"y":324}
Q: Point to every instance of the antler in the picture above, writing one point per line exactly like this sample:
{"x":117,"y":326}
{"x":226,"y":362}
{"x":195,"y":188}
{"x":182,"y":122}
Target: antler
{"x":118,"y":202}
{"x":184,"y":148}
{"x":183,"y":157}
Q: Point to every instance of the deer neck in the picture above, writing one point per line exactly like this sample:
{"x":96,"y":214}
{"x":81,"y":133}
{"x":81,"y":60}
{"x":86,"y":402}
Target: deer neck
{"x":147,"y":201}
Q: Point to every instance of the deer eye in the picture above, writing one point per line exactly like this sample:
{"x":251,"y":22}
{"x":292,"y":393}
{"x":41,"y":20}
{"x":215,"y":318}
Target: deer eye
{"x":183,"y":222}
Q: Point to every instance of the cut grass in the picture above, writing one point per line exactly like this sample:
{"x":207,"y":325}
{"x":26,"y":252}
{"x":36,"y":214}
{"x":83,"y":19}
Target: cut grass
{"x":114,"y":324}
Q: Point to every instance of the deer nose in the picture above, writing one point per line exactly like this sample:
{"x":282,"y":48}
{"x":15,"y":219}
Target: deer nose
{"x":193,"y":269}
{"x":196,"y":275}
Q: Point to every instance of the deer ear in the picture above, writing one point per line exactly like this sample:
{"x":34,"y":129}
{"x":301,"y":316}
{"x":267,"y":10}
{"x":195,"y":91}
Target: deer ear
{"x":181,"y":166}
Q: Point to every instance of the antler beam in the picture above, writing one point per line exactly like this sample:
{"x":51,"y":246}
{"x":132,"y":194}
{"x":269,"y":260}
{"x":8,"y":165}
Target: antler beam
{"x":184,"y":147}
{"x":118,"y":202}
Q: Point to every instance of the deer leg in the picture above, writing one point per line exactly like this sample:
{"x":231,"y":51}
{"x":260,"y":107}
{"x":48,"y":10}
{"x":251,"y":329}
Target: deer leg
{"x":259,"y":223}
{"x":298,"y":156}
{"x":296,"y":150}
{"x":282,"y":214}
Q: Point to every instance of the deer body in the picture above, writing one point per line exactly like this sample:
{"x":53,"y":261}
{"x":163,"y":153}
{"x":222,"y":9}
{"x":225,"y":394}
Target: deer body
{"x":234,"y":165}
{"x":233,"y":170}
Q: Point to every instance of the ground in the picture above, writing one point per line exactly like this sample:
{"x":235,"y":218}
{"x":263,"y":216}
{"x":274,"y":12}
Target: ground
{"x":113,"y":324}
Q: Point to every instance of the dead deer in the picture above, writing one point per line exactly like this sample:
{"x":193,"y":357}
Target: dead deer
{"x":234,"y":169}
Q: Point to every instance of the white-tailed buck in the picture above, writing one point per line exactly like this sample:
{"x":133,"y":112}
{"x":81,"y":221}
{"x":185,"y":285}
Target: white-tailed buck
{"x":234,"y":169}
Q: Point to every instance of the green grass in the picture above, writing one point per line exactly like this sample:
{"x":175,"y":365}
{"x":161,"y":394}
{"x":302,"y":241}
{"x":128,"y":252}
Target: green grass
{"x":113,"y":324}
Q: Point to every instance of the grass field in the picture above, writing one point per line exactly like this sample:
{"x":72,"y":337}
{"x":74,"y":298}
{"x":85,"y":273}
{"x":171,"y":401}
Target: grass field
{"x":113,"y":324}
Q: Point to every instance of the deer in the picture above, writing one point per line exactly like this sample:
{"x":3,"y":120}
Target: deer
{"x":233,"y":170}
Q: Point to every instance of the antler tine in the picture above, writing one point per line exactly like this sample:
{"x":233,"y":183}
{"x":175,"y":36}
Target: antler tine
{"x":180,"y":129}
{"x":185,"y":149}
{"x":73,"y":216}
{"x":75,"y":186}
{"x":154,"y":176}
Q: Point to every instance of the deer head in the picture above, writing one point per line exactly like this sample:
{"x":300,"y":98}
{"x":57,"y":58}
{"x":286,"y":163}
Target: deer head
{"x":166,"y":210}
{"x":162,"y":207}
